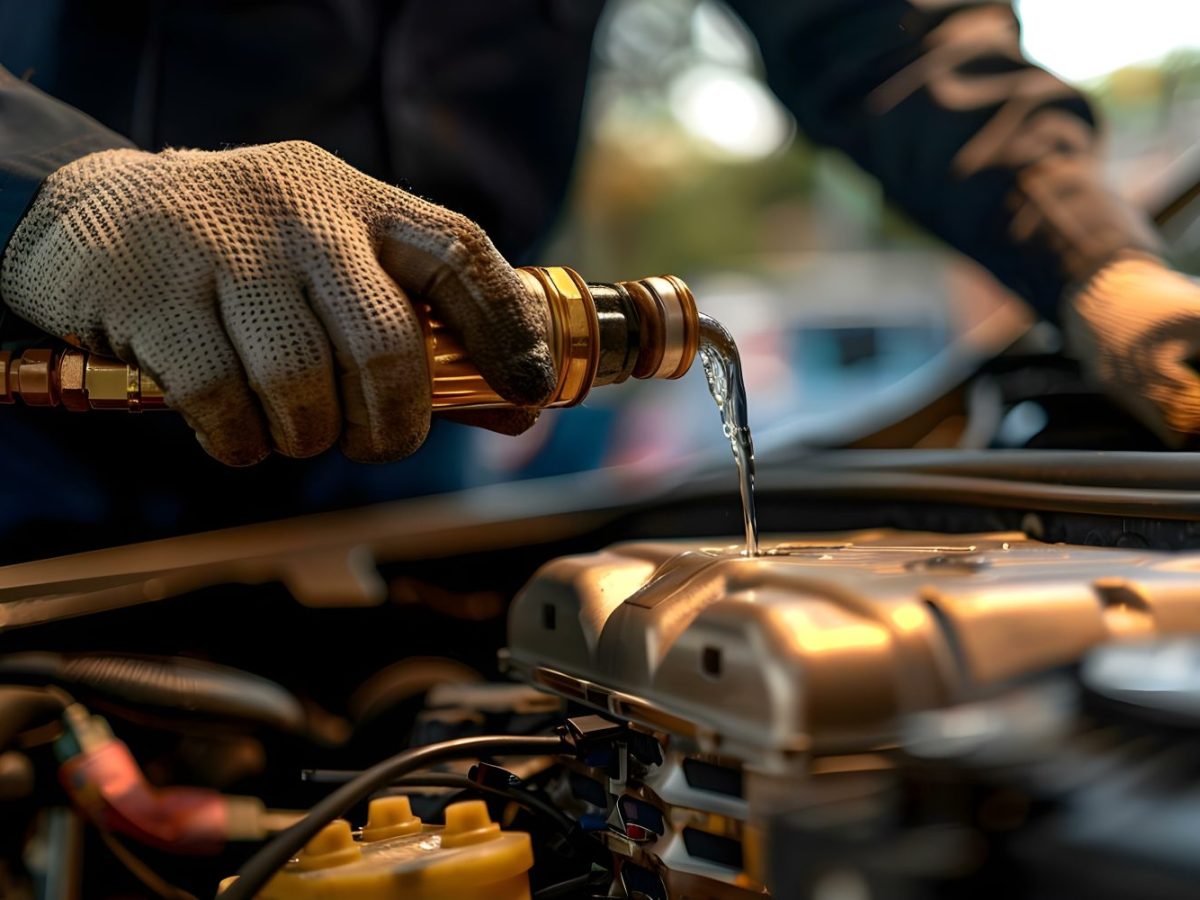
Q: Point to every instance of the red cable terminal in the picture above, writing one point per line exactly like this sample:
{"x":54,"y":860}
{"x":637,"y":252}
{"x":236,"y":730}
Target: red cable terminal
{"x":104,"y":780}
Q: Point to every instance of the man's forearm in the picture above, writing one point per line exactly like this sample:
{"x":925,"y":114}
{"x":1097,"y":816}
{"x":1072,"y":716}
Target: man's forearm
{"x":991,"y":153}
{"x":38,"y":134}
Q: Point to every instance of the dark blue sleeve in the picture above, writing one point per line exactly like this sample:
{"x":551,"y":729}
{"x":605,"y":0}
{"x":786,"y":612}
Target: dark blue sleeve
{"x":989,"y":152}
{"x":38,"y":134}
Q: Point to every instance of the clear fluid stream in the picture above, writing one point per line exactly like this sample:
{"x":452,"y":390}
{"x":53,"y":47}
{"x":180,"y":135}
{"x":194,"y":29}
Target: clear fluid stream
{"x":723,"y":369}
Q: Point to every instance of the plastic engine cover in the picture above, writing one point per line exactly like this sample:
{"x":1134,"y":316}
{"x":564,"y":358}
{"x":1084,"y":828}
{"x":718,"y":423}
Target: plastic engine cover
{"x":826,"y":642}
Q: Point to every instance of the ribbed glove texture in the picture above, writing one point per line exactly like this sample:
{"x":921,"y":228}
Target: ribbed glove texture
{"x":267,"y":289}
{"x":1136,"y":325}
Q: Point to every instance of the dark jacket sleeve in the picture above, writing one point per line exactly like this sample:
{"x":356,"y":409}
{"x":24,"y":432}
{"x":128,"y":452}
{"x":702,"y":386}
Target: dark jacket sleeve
{"x":38,"y":134}
{"x":989,"y":152}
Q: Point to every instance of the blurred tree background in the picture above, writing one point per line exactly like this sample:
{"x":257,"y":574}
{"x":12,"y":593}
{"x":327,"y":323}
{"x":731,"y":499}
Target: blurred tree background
{"x":691,"y":164}
{"x":842,"y":308}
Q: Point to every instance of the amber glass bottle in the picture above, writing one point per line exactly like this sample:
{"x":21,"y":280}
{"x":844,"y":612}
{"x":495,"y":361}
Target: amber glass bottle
{"x":599,"y":334}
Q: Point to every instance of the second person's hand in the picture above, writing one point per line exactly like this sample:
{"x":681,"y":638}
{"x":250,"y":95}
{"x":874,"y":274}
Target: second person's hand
{"x":1136,"y":328}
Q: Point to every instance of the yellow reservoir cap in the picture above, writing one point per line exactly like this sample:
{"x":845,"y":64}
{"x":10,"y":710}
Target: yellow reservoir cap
{"x":470,"y":859}
{"x":468,"y":823}
{"x":389,"y":817}
{"x":333,"y":845}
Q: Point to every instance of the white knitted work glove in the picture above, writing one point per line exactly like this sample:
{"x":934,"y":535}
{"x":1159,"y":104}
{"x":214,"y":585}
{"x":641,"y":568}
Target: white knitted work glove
{"x":266,"y":289}
{"x":1135,"y":325}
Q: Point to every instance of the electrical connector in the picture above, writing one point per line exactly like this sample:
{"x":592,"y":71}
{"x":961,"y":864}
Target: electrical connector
{"x":587,"y":734}
{"x":101,"y":776}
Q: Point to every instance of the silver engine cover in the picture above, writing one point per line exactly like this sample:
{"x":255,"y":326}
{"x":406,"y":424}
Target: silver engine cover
{"x":827,"y":643}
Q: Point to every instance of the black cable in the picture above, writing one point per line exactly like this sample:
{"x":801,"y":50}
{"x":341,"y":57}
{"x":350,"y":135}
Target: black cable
{"x":255,"y":874}
{"x":525,"y":799}
{"x":176,"y":684}
{"x":434,"y":780}
{"x":341,"y":776}
{"x":569,"y":888}
{"x":528,"y":801}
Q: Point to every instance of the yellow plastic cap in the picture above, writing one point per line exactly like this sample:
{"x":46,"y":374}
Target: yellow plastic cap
{"x":389,"y":817}
{"x":468,"y":822}
{"x":333,"y":846}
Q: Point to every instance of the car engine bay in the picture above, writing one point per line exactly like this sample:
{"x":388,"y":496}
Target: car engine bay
{"x":950,"y":674}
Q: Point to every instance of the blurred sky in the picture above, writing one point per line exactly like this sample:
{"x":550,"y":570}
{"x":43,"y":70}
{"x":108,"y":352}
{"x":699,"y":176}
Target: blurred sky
{"x":1085,"y":39}
{"x":836,"y":300}
{"x":721,"y":100}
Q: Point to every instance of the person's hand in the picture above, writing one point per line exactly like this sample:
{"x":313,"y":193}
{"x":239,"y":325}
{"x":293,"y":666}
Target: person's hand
{"x":267,"y":290}
{"x":1135,"y":326}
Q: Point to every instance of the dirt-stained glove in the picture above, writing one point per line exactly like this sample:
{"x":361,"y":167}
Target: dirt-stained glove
{"x":267,"y":290}
{"x":1136,"y":326}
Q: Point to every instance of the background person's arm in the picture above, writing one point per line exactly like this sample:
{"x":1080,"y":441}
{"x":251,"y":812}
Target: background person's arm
{"x":989,"y":152}
{"x":39,"y":134}
{"x":998,"y":158}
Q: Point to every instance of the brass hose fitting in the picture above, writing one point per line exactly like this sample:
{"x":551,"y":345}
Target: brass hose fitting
{"x":77,"y":380}
{"x":600,"y":334}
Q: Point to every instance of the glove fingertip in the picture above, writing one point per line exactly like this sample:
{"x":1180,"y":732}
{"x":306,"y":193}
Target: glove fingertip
{"x":510,"y":422}
{"x":362,"y":444}
{"x":385,"y":408}
{"x":227,"y":423}
{"x":525,"y":379}
{"x":237,"y":455}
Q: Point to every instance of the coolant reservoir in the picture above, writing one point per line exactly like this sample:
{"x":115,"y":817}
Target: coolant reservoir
{"x":397,"y":857}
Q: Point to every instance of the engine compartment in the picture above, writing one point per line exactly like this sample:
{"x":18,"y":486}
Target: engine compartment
{"x":939,"y":696}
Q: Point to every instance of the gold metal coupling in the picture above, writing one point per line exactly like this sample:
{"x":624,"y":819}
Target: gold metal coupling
{"x":599,"y":333}
{"x":77,"y":380}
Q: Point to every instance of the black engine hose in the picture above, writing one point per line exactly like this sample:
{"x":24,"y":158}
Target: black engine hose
{"x":173,"y":684}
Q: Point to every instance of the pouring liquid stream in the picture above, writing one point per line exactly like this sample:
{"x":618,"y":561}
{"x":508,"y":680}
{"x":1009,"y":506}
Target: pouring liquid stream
{"x":723,"y":369}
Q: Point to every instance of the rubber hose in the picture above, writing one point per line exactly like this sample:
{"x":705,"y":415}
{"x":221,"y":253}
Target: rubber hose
{"x":178,"y":684}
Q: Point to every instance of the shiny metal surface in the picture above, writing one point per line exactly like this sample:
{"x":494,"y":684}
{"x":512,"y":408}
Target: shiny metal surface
{"x":662,"y":330}
{"x":825,"y":643}
{"x":77,"y":380}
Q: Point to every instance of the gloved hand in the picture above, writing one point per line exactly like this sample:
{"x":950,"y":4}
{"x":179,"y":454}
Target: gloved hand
{"x":266,"y":290}
{"x":1135,"y":325}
